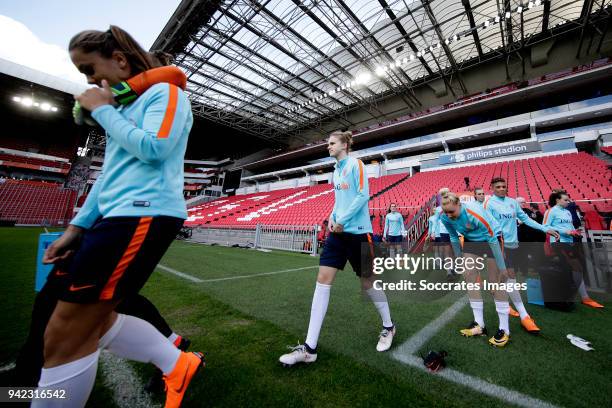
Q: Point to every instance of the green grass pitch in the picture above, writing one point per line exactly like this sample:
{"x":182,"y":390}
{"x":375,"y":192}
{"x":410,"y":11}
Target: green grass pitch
{"x":243,"y":325}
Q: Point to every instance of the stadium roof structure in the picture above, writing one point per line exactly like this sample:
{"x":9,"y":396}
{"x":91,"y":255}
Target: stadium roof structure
{"x":274,"y":68}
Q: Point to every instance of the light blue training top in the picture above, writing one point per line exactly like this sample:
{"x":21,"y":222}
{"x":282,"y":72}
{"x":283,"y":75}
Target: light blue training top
{"x":352,"y":194}
{"x":394,"y":224}
{"x":142,"y":174}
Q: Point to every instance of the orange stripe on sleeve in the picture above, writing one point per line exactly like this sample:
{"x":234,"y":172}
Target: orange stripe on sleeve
{"x":360,"y":174}
{"x":128,"y":256}
{"x":484,"y":222}
{"x":166,"y":126}
{"x":486,"y":203}
{"x":546,"y":216}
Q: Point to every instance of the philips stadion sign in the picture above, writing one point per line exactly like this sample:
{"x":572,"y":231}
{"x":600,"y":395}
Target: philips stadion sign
{"x":492,"y":152}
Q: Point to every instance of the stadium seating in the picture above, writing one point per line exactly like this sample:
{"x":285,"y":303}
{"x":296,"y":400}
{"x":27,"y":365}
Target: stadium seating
{"x":34,"y":202}
{"x":607,"y":150}
{"x":225,"y":210}
{"x":500,"y":90}
{"x":297,"y":206}
{"x":33,"y":163}
{"x":59,"y":148}
{"x":579,"y":173}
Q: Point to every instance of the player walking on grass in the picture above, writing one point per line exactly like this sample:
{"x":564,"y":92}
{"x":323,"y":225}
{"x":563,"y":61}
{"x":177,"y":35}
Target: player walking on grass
{"x":480,"y":239}
{"x":559,"y":218}
{"x":394,"y":229}
{"x":350,"y":240}
{"x":129,"y":219}
{"x":506,"y":211}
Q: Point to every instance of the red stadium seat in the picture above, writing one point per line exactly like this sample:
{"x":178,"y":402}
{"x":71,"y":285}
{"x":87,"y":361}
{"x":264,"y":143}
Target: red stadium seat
{"x":35,"y":202}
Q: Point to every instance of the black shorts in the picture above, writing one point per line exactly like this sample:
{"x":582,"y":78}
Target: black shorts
{"x":512,"y":256}
{"x":357,"y":249}
{"x":481,"y":248}
{"x":394,"y":238}
{"x":443,"y":238}
{"x":115,"y":258}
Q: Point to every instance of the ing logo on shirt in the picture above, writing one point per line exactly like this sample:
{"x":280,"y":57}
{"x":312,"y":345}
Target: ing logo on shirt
{"x":342,"y":186}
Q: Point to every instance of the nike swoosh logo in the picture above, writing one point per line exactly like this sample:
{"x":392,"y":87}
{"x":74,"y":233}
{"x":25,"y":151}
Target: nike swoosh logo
{"x":76,"y":288}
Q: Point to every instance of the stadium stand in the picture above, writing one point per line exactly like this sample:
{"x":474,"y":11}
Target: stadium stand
{"x":33,"y":163}
{"x":607,"y":150}
{"x":473,"y":98}
{"x":298,"y":206}
{"x":34,"y":202}
{"x":65,"y":149}
{"x":532,"y":178}
{"x":579,"y":173}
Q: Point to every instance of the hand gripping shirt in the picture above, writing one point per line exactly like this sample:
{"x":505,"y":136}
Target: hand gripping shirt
{"x":142,"y":174}
{"x":351,"y":196}
{"x":476,"y":226}
{"x":506,"y":211}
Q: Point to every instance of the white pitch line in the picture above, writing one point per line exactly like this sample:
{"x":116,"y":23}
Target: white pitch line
{"x":414,"y":343}
{"x":404,"y":353}
{"x":120,"y":378}
{"x":179,"y":274}
{"x":259,"y":274}
{"x":484,"y":387}
{"x":198,"y":280}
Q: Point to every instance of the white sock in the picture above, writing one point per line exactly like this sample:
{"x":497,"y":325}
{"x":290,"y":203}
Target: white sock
{"x":380,"y":301}
{"x":477,"y":309}
{"x":320,"y":300}
{"x":582,"y":290}
{"x":76,"y":378}
{"x":173,"y":337}
{"x":503,"y":311}
{"x":136,"y":339}
{"x":515,"y":296}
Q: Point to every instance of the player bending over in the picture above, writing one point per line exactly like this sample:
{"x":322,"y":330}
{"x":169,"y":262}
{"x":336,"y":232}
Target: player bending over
{"x":480,"y":239}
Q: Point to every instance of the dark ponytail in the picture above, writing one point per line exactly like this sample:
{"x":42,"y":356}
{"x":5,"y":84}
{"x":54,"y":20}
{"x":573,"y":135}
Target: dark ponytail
{"x":117,"y":39}
{"x":554,"y":196}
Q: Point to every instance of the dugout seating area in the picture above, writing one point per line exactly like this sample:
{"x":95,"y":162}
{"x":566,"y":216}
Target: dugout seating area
{"x":35,"y":202}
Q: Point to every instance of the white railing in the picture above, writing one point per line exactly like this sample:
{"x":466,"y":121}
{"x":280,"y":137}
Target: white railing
{"x":295,"y":238}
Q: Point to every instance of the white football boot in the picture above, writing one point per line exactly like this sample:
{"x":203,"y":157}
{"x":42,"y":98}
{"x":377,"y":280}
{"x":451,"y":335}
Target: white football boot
{"x":385,"y":339}
{"x":298,"y":354}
